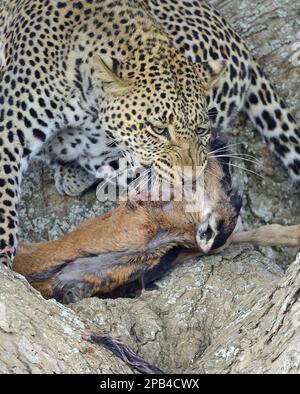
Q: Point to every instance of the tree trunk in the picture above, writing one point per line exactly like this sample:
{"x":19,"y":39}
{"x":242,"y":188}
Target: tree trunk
{"x":232,"y":313}
{"x":220,"y":314}
{"x":38,"y":336}
{"x":265,"y":337}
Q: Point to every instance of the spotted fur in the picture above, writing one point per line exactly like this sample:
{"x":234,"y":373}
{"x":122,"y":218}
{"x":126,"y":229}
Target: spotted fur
{"x":84,"y":81}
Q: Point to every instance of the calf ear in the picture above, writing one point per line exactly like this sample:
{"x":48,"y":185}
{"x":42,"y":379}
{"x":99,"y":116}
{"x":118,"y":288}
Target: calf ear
{"x":107,"y":74}
{"x":214,"y":70}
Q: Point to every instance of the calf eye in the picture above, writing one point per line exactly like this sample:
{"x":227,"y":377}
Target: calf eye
{"x":206,"y":234}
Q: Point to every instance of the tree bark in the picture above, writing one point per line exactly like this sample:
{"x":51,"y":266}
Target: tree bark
{"x":38,"y":336}
{"x":265,"y":338}
{"x":234,"y":313}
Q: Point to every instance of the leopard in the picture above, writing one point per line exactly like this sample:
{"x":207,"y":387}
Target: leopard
{"x":85,"y":82}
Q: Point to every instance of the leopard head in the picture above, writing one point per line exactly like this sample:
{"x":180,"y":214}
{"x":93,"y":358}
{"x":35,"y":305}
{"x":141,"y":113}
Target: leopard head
{"x":155,"y":105}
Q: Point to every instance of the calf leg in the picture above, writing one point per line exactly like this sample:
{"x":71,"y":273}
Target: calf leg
{"x":270,"y":235}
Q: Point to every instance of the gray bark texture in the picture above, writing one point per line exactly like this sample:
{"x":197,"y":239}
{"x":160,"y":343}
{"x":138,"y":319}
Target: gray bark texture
{"x":45,"y":337}
{"x":232,"y":313}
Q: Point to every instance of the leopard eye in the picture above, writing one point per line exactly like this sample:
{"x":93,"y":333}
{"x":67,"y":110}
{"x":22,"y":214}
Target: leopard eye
{"x":202,"y":131}
{"x":164,"y":132}
{"x":161,"y":131}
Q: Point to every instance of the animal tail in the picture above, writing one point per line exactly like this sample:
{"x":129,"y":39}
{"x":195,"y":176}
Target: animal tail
{"x":122,"y":351}
{"x":273,"y":120}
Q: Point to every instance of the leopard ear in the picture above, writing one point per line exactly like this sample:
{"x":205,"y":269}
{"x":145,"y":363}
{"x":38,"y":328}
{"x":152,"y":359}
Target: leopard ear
{"x":214,"y":70}
{"x":107,"y":74}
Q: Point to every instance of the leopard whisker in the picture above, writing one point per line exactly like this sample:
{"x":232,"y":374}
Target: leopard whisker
{"x":140,"y":181}
{"x":257,"y":162}
{"x":247,"y":170}
{"x":117,"y":173}
{"x":237,"y":154}
{"x":225,"y":147}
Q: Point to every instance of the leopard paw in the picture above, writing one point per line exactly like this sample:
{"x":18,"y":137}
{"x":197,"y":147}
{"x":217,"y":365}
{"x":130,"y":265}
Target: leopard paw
{"x":5,"y":259}
{"x":72,"y":180}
